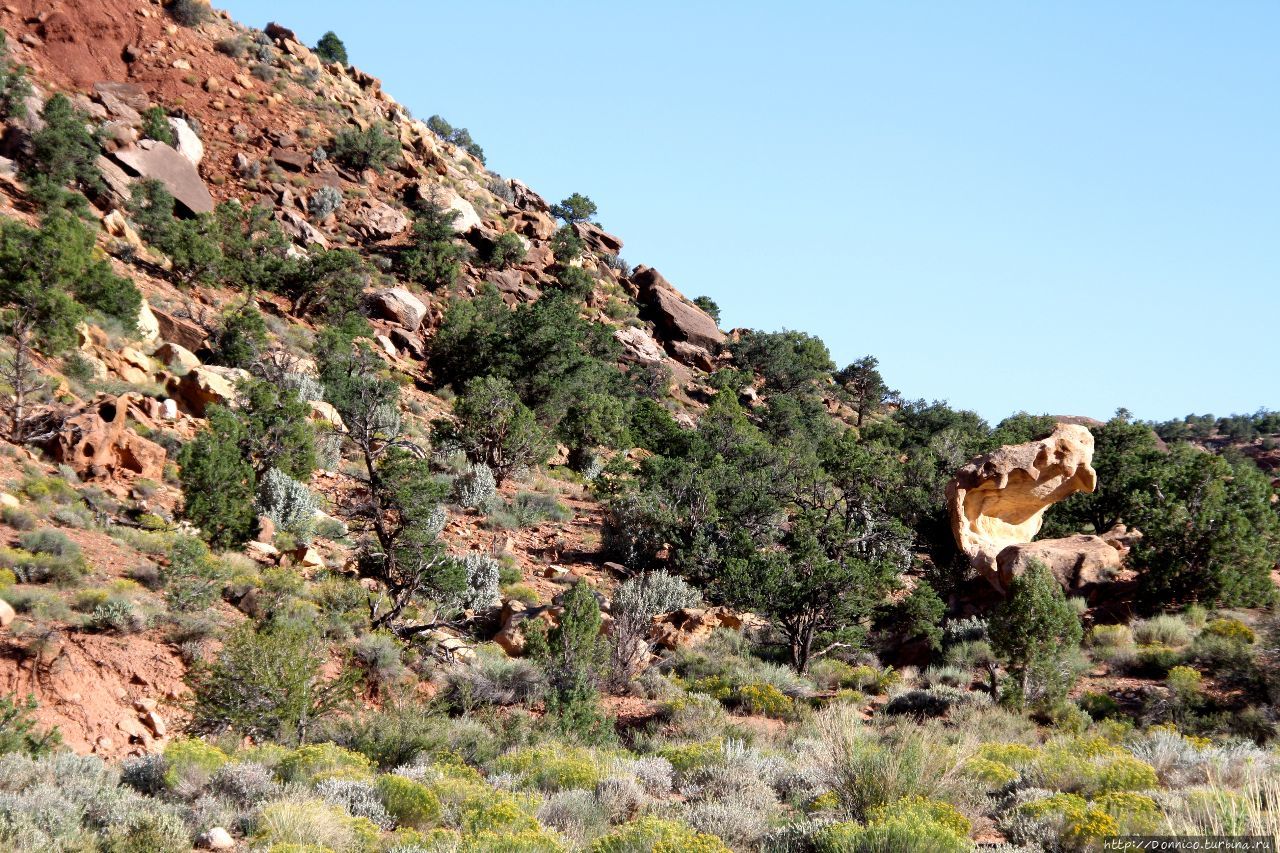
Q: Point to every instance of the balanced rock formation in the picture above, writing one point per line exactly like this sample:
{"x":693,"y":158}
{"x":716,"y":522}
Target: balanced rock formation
{"x":997,"y":504}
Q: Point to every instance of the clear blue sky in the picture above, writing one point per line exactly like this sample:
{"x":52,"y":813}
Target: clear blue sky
{"x":1056,"y":207}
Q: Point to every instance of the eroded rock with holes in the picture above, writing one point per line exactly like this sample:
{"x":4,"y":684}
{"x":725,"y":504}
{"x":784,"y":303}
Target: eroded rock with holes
{"x":97,"y":442}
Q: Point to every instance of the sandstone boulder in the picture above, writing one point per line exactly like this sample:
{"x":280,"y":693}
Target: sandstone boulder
{"x":7,"y":614}
{"x":691,"y":626}
{"x":638,"y":345}
{"x":148,"y":324}
{"x":596,"y":239}
{"x":291,"y":159}
{"x":380,"y":221}
{"x":176,"y":356}
{"x":181,"y":331}
{"x":1076,"y":561}
{"x":97,"y":442}
{"x":206,"y":385}
{"x":676,"y":318}
{"x":152,"y":159}
{"x":186,"y":142}
{"x":299,"y":230}
{"x":399,"y":306}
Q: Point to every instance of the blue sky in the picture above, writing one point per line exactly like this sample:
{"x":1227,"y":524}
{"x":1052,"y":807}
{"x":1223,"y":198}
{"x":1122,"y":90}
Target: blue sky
{"x":1058,"y":208}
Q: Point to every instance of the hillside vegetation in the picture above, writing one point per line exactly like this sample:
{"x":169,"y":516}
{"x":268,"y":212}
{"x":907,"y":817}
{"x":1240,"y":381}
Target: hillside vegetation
{"x":356,"y":499}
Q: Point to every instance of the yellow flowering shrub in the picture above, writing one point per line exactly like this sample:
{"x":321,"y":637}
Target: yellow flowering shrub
{"x":555,"y":767}
{"x":1015,"y":755}
{"x":922,"y":809}
{"x":187,"y":757}
{"x":1231,"y":629}
{"x":410,"y":803}
{"x":317,"y":761}
{"x":993,"y":774}
{"x":657,"y":835}
{"x":766,"y":700}
{"x":1136,"y":814}
{"x":685,"y":756}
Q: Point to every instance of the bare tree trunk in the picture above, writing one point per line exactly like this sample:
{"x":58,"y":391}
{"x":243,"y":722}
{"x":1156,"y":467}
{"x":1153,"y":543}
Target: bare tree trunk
{"x":22,"y":377}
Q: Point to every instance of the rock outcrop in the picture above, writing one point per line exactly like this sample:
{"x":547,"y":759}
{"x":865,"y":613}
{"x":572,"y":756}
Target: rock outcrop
{"x":97,"y":443}
{"x":151,"y":159}
{"x":677,"y":319}
{"x":1076,"y":561}
{"x":998,"y":501}
{"x":399,"y":306}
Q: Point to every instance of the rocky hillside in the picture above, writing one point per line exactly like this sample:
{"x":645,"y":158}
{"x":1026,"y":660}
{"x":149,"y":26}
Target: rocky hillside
{"x":358,"y":498}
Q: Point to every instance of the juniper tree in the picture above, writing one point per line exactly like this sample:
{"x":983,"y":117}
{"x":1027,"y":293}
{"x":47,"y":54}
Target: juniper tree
{"x":396,"y":510}
{"x":218,"y":482}
{"x":1033,"y":631}
{"x":331,"y":49}
{"x":575,"y":208}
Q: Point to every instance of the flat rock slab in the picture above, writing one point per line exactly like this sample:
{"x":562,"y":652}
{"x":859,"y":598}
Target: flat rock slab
{"x":152,"y":159}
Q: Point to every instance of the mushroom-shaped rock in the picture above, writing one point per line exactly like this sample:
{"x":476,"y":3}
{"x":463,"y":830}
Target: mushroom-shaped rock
{"x":999,"y":500}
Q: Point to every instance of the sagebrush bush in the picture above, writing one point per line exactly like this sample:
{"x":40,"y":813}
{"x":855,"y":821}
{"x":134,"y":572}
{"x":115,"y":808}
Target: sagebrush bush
{"x":482,"y":581}
{"x":288,"y":503}
{"x":324,"y":202}
{"x":475,"y":487}
{"x":311,"y":823}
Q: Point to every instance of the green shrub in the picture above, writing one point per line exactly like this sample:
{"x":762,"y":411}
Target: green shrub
{"x":148,"y":832}
{"x":508,"y":251}
{"x":433,"y":258}
{"x":155,"y":125}
{"x":1156,"y":661}
{"x":374,"y":148}
{"x":189,"y":13}
{"x":330,"y":49}
{"x":410,"y":803}
{"x":268,"y":683}
{"x":18,"y":518}
{"x":18,"y":731}
{"x":218,"y":483}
